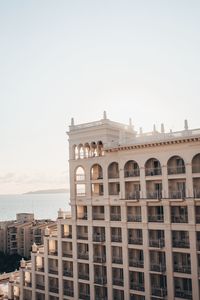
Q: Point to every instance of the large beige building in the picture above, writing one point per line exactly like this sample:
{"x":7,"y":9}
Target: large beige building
{"x":134,"y":231}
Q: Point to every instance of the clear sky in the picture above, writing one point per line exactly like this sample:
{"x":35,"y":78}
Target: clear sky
{"x":62,"y":59}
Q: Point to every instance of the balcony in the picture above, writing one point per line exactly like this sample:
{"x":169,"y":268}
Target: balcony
{"x":159,"y":291}
{"x":117,"y":260}
{"x":181,"y":243}
{"x":68,"y":273}
{"x":135,"y":195}
{"x":98,"y":216}
{"x":116,"y":238}
{"x":83,"y":255}
{"x":100,"y":280}
{"x":53,"y":289}
{"x":134,"y":218}
{"x":177,"y":194}
{"x":83,"y":275}
{"x":53,"y":271}
{"x":137,"y":286}
{"x":68,"y":292}
{"x":182,"y":268}
{"x":118,"y":281}
{"x":99,"y":258}
{"x":153,"y":171}
{"x":98,"y":237}
{"x":157,"y":243}
{"x":158,"y":267}
{"x":40,"y":286}
{"x":156,"y":218}
{"x":136,"y":263}
{"x":184,"y":294}
{"x":115,"y":217}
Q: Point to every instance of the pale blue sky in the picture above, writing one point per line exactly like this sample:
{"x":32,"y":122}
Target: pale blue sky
{"x":60,"y":59}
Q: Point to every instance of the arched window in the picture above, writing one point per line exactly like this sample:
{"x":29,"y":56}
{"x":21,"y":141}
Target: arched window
{"x":152,"y":167}
{"x":93,"y":149}
{"x":100,"y":148}
{"x":176,"y":165}
{"x":96,"y":172}
{"x":196,"y":163}
{"x":113,"y":170}
{"x":76,"y":152}
{"x":131,"y":169}
{"x":87,"y":150}
{"x":80,"y":174}
{"x":81,"y":151}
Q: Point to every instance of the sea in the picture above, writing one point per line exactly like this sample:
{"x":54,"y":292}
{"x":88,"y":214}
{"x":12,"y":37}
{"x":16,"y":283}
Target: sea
{"x":44,"y":206}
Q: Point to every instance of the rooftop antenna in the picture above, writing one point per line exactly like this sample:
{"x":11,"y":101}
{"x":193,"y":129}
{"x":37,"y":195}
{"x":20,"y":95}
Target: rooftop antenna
{"x":72,"y":121}
{"x":186,"y":124}
{"x":104,"y":115}
{"x":162,"y":128}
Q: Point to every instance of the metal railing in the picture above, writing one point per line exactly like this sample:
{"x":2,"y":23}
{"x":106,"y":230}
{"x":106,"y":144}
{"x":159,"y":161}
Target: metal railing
{"x":158,"y":267}
{"x":98,"y":216}
{"x":115,"y":217}
{"x":118,"y":281}
{"x":116,"y":238}
{"x":134,"y":218}
{"x":178,"y":218}
{"x":137,"y":263}
{"x":99,"y":258}
{"x":83,"y":255}
{"x":153,"y":171}
{"x":101,"y":280}
{"x":183,"y":294}
{"x":177,"y":194}
{"x":132,"y":173}
{"x":98,"y":237}
{"x":159,"y":291}
{"x":68,"y":292}
{"x":156,"y":218}
{"x":137,"y":286}
{"x":176,"y":170}
{"x":182,"y":268}
{"x":158,"y":243}
{"x":84,"y":276}
{"x":117,"y":260}
{"x":135,"y":241}
{"x":68,"y":273}
{"x":176,"y":243}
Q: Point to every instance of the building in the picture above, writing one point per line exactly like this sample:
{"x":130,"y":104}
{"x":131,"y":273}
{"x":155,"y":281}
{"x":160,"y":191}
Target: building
{"x":134,"y":231}
{"x":18,"y":236}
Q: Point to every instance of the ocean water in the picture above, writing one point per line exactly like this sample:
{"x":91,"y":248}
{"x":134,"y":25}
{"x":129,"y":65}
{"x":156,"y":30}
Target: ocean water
{"x":44,"y":206}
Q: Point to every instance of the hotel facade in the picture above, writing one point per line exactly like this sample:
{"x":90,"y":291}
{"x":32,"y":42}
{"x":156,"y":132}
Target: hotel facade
{"x":134,"y":230}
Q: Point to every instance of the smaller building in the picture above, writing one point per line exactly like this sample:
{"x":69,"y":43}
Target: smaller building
{"x":17,"y":236}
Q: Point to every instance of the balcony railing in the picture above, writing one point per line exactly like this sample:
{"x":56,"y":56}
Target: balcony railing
{"x":137,"y":263}
{"x":117,"y":260}
{"x":132,"y":173}
{"x":183,"y":294}
{"x":154,"y":195}
{"x":182,"y":268}
{"x":159,"y":291}
{"x":115,"y":217}
{"x":118,"y":281}
{"x":84,"y":276}
{"x":180,"y":243}
{"x":83,"y":255}
{"x":177,"y":194}
{"x":98,"y":237}
{"x":68,"y":292}
{"x":53,"y":271}
{"x":53,"y":289}
{"x":179,"y":218}
{"x":116,"y":238}
{"x":98,"y":216}
{"x":84,"y":296}
{"x":176,"y":170}
{"x":82,"y":216}
{"x":67,"y":254}
{"x":158,"y":243}
{"x":68,"y":273}
{"x":156,"y":218}
{"x":134,"y":218}
{"x":153,"y":171}
{"x":137,"y":286}
{"x":99,"y":258}
{"x":133,"y":196}
{"x":158,"y":267}
{"x":101,"y":280}
{"x":40,"y":286}
{"x":135,"y":240}
{"x":82,"y":236}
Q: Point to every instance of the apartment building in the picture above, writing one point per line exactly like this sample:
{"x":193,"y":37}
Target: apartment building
{"x":18,"y":236}
{"x":134,"y":230}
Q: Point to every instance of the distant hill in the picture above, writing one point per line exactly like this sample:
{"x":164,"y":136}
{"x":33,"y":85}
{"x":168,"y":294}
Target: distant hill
{"x":50,"y":191}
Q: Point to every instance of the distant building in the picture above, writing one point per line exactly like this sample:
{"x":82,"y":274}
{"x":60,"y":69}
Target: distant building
{"x":19,"y":235}
{"x":134,"y":231}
